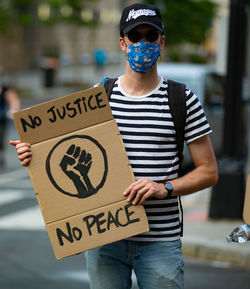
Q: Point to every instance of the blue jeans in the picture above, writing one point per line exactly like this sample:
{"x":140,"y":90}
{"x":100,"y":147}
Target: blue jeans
{"x":157,"y":265}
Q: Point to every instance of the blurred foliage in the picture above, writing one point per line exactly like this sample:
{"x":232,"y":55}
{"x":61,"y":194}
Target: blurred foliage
{"x":25,"y":12}
{"x":196,"y":58}
{"x":186,"y":20}
{"x":177,"y":55}
{"x":69,"y":11}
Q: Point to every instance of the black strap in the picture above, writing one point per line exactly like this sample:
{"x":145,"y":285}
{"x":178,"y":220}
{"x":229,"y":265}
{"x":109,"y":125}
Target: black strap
{"x":109,"y":84}
{"x":177,"y":104}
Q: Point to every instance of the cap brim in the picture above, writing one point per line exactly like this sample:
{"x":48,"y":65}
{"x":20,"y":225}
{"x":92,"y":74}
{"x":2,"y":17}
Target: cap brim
{"x":132,"y":26}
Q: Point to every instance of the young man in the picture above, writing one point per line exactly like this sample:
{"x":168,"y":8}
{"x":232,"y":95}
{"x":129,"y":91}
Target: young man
{"x":140,"y":107}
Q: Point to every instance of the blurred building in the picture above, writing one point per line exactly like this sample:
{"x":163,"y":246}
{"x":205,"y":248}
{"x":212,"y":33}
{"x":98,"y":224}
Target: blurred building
{"x":21,"y":47}
{"x":24,"y":48}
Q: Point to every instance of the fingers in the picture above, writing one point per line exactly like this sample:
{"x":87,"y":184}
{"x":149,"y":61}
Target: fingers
{"x":81,"y":155}
{"x":23,"y":151}
{"x":14,"y":142}
{"x":19,"y":144}
{"x":26,"y":161}
{"x":71,"y":149}
{"x":139,"y":191}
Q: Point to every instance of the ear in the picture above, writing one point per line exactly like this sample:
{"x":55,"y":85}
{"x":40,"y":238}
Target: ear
{"x":123,"y":44}
{"x":162,"y":42}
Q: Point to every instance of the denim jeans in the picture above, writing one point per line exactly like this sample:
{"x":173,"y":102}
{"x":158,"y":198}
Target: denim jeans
{"x":157,"y":265}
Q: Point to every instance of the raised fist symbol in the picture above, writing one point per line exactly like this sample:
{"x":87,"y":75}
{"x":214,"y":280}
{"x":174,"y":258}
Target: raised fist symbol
{"x":76,"y":164}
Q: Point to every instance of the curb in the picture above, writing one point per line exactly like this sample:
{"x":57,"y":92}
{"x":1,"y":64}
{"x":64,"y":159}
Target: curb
{"x":216,"y":252}
{"x":207,"y":240}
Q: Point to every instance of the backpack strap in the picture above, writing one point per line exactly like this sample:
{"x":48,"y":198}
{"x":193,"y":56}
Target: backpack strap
{"x":178,"y":109}
{"x":109,"y":84}
{"x":177,"y":104}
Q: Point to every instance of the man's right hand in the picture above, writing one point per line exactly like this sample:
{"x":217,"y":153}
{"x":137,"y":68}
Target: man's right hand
{"x":23,"y":151}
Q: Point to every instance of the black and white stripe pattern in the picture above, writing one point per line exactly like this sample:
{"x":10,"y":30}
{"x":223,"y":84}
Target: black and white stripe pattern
{"x":148,"y":133}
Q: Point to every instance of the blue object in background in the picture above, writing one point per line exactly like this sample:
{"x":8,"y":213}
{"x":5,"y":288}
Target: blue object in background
{"x":100,"y":56}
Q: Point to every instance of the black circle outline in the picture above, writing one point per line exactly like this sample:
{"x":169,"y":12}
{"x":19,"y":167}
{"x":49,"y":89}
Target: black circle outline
{"x":66,"y":139}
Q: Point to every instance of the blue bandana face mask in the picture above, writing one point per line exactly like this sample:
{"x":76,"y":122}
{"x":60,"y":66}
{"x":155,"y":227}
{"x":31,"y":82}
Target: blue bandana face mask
{"x":143,"y":55}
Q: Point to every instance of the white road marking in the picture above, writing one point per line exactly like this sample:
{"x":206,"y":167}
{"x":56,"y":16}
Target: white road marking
{"x":10,"y":196}
{"x":13,"y":176}
{"x":80,"y":275}
{"x":28,"y":219}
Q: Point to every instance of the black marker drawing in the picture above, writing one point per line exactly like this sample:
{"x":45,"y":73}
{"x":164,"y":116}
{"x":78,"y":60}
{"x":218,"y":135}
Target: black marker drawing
{"x":77,"y":160}
{"x":76,"y":163}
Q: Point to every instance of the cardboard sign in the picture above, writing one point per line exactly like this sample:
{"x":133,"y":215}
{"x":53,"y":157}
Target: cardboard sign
{"x":79,"y":170}
{"x":246,"y":210}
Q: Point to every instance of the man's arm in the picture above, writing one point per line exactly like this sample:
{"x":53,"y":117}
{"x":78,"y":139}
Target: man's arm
{"x":205,"y":174}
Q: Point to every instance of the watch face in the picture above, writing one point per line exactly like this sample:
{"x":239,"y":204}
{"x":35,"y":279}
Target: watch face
{"x":169,"y":187}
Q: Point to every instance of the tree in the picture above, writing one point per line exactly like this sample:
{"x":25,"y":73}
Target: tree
{"x":186,"y":20}
{"x":25,"y":12}
{"x":25,"y":24}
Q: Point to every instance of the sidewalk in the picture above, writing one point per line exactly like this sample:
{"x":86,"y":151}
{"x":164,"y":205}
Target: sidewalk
{"x":206,"y":239}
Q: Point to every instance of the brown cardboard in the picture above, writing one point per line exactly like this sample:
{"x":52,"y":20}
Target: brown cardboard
{"x":246,"y":210}
{"x":92,"y":229}
{"x":63,"y":115}
{"x":79,"y":169}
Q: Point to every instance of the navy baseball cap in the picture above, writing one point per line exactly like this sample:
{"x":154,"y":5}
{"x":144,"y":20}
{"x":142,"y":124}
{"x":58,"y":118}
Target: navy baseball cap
{"x":140,"y":13}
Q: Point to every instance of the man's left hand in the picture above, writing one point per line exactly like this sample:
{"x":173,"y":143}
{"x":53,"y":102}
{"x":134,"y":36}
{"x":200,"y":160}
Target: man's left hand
{"x":144,"y":188}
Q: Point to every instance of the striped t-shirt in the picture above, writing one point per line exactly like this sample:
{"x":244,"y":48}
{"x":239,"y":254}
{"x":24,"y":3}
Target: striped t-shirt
{"x":148,"y":133}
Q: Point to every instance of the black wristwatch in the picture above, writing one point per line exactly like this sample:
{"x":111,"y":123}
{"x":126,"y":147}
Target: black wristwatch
{"x":169,"y":188}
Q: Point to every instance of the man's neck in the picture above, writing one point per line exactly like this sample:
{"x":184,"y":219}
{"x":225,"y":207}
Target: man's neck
{"x":139,"y":83}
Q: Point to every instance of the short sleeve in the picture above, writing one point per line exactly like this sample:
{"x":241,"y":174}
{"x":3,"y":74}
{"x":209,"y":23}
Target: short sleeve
{"x":196,"y":121}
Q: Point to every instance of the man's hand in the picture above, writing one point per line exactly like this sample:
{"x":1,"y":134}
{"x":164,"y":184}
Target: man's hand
{"x":23,"y":151}
{"x":144,"y":188}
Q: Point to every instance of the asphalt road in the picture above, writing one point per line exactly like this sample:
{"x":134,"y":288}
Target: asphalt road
{"x":27,"y":259}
